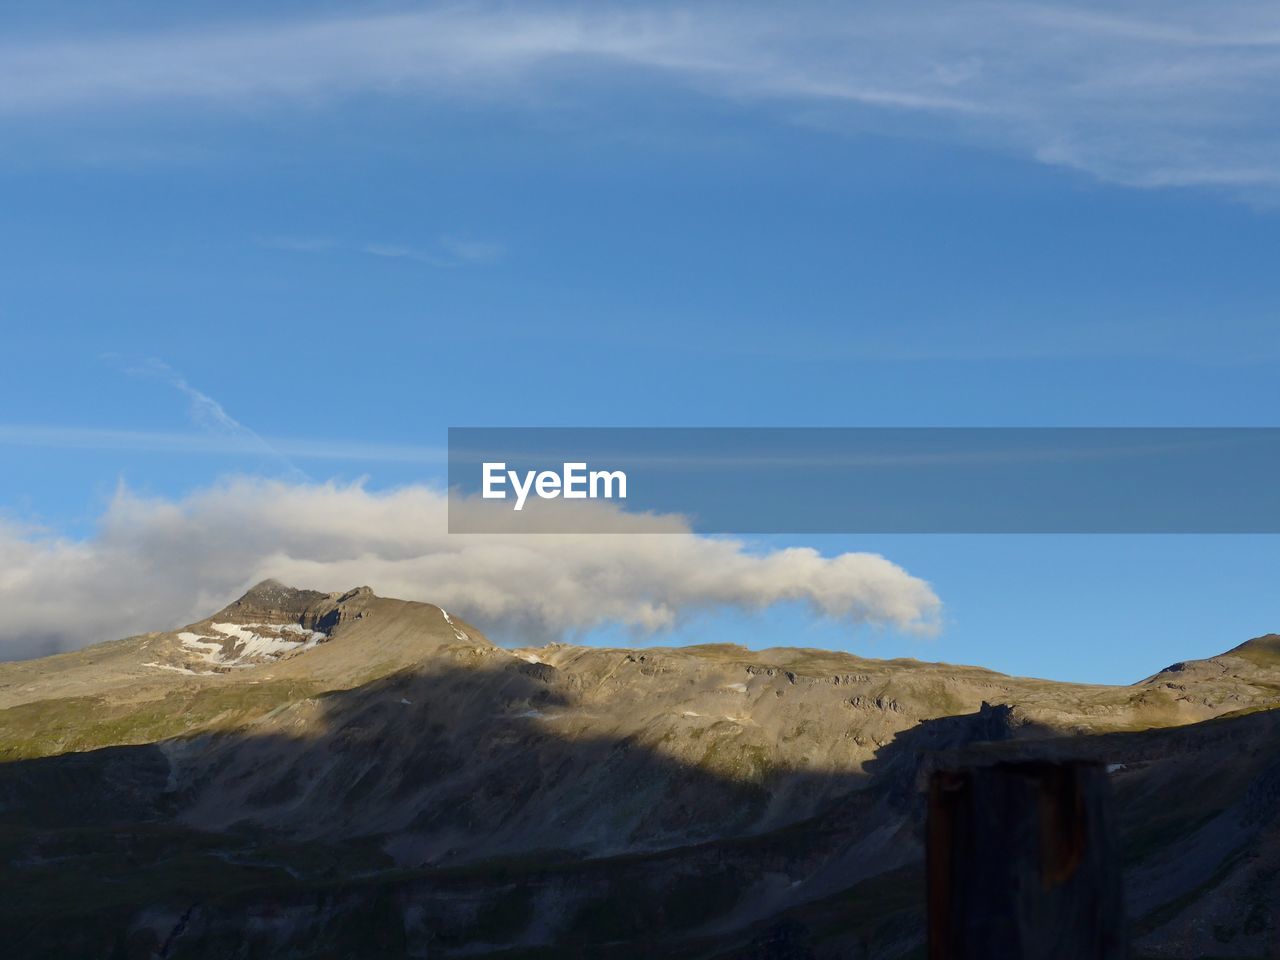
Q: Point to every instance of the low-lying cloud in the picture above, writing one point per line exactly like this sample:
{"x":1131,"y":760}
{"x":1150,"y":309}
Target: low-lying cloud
{"x":155,"y":564}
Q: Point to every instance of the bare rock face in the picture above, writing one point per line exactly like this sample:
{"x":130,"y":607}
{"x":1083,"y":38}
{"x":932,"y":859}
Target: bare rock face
{"x":273,"y":599}
{"x":272,"y":602}
{"x":459,"y":797}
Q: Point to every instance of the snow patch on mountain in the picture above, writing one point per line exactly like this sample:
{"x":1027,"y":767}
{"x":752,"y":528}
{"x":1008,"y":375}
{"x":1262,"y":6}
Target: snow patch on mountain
{"x":459,"y":634}
{"x":250,"y":643}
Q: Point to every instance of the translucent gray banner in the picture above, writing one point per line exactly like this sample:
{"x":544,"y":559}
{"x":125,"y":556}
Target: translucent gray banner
{"x":864,"y":480}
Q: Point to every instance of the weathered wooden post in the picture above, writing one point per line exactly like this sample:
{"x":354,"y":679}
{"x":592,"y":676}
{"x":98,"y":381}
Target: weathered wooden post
{"x":1022,"y":864}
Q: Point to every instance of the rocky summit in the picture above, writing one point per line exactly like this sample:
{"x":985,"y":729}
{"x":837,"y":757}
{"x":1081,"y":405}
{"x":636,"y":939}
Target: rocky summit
{"x":305,"y":774}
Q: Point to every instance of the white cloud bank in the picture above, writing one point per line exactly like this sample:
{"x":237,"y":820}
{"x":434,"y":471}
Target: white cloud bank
{"x":1138,"y":92}
{"x":155,"y":564}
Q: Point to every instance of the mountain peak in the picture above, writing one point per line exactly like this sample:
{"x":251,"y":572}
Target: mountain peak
{"x":269,"y":587}
{"x":273,"y":599}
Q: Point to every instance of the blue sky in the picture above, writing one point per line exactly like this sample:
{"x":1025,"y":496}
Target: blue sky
{"x":353,"y":226}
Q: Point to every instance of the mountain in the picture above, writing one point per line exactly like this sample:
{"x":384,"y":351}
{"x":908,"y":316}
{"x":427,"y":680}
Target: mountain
{"x":305,"y":774}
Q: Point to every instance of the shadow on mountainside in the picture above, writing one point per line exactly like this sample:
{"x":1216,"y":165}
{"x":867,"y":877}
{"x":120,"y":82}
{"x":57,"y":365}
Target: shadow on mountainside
{"x":468,"y":810}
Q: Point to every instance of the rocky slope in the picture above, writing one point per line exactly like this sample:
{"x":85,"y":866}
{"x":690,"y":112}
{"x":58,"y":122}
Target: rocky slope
{"x":306,"y":774}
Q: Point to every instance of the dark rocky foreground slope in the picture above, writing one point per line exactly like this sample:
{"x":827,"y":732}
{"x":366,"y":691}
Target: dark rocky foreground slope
{"x":314,"y":775}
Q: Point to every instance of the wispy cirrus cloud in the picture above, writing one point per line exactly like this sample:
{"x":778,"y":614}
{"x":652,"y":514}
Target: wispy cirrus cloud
{"x":219,"y":433}
{"x":293,"y":244}
{"x":207,"y":413}
{"x":1142,"y":93}
{"x":162,"y":441}
{"x":205,"y":410}
{"x":444,"y":252}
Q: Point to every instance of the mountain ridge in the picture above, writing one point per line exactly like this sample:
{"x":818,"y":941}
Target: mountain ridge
{"x":299,"y":727}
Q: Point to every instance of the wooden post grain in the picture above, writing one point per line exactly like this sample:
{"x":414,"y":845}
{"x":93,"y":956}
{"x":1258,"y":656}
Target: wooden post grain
{"x":1022,"y":864}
